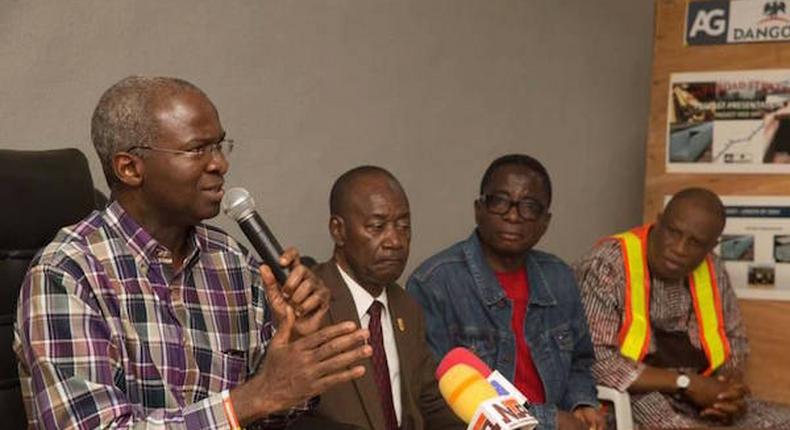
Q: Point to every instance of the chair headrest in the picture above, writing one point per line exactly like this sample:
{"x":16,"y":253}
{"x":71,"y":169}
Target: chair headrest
{"x":42,"y":191}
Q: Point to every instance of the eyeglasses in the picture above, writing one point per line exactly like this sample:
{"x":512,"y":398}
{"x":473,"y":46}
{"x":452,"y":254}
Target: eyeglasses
{"x":224,"y":147}
{"x":528,"y":209}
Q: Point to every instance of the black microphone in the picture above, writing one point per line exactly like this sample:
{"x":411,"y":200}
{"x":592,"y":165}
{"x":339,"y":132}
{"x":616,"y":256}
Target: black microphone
{"x":239,"y":205}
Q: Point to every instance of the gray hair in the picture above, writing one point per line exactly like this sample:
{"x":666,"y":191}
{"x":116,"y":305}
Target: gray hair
{"x":123,"y":118}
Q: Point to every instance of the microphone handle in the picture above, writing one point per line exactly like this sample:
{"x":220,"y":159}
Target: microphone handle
{"x":264,"y":242}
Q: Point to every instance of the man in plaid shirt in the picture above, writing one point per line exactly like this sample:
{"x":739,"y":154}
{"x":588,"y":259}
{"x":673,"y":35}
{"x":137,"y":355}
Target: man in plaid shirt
{"x":141,"y":316}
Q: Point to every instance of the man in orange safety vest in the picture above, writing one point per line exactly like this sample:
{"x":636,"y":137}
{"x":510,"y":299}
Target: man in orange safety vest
{"x":665,"y":322}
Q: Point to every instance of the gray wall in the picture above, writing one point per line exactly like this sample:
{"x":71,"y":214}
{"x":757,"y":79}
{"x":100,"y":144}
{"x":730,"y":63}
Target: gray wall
{"x":430,"y":89}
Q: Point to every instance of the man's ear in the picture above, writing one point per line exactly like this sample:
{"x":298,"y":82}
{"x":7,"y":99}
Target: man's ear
{"x":337,"y":229}
{"x":128,"y":169}
{"x":478,"y":205}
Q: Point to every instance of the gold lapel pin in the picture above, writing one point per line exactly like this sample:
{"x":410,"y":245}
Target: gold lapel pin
{"x":401,"y":324}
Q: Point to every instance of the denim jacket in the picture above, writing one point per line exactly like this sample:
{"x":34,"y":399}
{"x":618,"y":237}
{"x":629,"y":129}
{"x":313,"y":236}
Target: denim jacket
{"x":465,"y":306}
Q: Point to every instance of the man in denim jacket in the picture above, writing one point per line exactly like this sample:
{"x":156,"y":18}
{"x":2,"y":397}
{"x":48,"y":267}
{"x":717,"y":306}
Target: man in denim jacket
{"x":515,"y":307}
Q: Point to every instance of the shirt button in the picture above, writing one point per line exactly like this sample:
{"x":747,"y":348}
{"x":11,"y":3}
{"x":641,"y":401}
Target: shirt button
{"x":507,"y":360}
{"x":501,"y":304}
{"x":164,"y":257}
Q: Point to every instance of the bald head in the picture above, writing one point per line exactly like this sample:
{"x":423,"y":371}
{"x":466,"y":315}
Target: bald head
{"x":700,"y":199}
{"x":347,"y":186}
{"x":685,"y":233}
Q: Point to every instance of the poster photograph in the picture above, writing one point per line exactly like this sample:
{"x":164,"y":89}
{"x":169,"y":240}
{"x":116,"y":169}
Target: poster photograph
{"x":755,"y":246}
{"x":729,"y":122}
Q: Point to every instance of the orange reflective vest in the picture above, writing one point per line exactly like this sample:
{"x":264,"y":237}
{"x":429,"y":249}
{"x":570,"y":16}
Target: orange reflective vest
{"x":635,"y":332}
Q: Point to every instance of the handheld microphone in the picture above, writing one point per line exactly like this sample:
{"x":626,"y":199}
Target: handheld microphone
{"x":239,"y":205}
{"x":465,"y":389}
{"x":462,"y":355}
{"x":482,"y":405}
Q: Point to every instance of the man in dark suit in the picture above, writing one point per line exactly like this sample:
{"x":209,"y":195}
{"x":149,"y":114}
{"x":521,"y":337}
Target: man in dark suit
{"x":370,"y":225}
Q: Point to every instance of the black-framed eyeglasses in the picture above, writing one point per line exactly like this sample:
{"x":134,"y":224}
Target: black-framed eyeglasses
{"x":224,"y":147}
{"x":528,"y":209}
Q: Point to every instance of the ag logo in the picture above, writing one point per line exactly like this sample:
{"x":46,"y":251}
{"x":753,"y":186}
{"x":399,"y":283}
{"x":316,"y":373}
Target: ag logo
{"x":706,"y":22}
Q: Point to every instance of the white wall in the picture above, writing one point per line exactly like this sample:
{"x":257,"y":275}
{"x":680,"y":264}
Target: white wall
{"x":430,"y":89}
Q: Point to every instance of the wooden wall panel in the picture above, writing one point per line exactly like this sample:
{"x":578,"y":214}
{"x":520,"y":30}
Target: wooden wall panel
{"x":767,"y":322}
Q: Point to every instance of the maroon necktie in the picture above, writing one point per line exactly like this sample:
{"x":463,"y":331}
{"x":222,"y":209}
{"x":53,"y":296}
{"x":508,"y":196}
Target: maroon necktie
{"x":381,"y":372}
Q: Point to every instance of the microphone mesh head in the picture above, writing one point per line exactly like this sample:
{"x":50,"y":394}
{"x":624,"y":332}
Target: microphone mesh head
{"x":237,"y":203}
{"x":462,"y":355}
{"x":464,"y":389}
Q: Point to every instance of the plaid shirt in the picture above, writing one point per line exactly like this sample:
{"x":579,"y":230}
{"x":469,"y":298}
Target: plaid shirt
{"x":109,"y":334}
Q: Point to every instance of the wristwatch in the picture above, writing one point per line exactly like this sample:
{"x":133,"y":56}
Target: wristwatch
{"x":682,"y":382}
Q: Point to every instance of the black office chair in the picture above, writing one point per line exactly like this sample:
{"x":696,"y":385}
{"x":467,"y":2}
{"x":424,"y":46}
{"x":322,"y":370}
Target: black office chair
{"x":40,"y":192}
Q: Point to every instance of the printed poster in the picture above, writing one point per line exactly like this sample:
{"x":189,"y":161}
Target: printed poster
{"x":729,"y":122}
{"x":755,"y":246}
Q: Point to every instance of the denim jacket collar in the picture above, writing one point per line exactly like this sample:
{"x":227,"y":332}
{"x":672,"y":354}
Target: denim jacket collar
{"x":486,"y":282}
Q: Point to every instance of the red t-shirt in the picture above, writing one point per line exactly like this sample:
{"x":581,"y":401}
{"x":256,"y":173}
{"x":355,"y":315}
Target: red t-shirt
{"x":527,"y":379}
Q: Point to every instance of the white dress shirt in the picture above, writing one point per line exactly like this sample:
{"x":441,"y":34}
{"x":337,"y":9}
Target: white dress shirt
{"x":362,"y":300}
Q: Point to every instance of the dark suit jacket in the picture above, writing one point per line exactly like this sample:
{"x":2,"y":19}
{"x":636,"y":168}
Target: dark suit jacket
{"x":357,"y":402}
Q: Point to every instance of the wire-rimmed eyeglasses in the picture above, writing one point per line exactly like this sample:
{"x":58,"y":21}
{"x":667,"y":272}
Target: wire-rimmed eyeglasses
{"x":224,"y":147}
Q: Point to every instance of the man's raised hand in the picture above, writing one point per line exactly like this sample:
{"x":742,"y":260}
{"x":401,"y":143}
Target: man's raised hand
{"x":293,"y":371}
{"x":303,"y":292}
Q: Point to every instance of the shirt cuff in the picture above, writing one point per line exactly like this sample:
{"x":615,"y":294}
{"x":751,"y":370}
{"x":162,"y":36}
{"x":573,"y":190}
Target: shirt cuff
{"x":207,"y":414}
{"x":583,"y":404}
{"x":617,"y":372}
